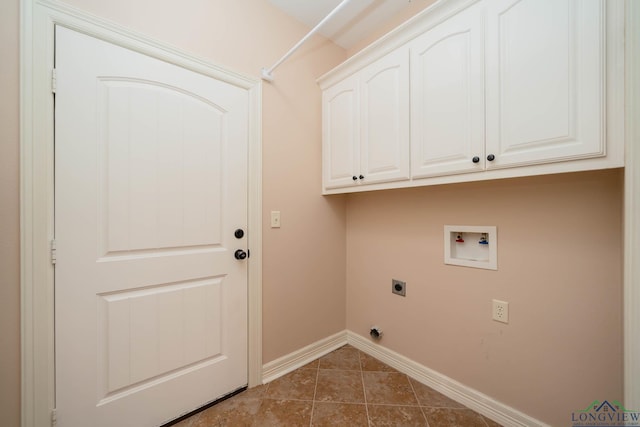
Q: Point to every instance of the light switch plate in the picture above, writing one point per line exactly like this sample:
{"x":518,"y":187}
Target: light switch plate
{"x":275,"y":219}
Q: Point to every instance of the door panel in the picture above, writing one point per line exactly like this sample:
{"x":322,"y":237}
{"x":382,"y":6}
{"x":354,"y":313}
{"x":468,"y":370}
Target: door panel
{"x":385,"y":119}
{"x":546,"y":85}
{"x":447,"y":104}
{"x":167,"y":327}
{"x":341,"y":130}
{"x":151,"y":182}
{"x":148,"y":204}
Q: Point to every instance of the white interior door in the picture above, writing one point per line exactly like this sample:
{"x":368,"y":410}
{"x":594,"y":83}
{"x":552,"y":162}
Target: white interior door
{"x":150,"y":185}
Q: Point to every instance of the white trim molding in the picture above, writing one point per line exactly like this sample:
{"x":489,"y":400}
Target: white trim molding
{"x":632,"y":209}
{"x":38,"y":21}
{"x":297,"y":359}
{"x":473,"y":399}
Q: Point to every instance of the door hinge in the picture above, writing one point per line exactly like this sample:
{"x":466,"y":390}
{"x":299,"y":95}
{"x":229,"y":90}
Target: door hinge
{"x":54,"y":252}
{"x":54,"y":80}
{"x":54,"y":417}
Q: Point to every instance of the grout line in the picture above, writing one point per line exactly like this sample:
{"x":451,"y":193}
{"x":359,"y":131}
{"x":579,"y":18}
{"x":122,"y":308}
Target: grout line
{"x":418,"y":400}
{"x":397,"y":405}
{"x":315,"y":389}
{"x":343,"y":370}
{"x":364,"y":390}
{"x":289,"y":399}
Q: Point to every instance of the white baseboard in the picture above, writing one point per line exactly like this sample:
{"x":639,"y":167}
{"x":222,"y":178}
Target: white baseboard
{"x":473,"y":399}
{"x":299,"y":358}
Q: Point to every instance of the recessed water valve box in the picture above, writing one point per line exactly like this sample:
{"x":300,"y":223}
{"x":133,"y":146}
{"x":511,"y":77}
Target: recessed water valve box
{"x":471,"y":246}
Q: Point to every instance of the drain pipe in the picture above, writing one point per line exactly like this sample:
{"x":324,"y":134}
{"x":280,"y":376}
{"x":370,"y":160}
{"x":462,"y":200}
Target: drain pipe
{"x":267,"y":74}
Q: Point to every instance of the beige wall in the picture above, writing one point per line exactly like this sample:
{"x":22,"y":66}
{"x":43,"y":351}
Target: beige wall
{"x":9,"y":215}
{"x":304,"y":300}
{"x":559,"y":267}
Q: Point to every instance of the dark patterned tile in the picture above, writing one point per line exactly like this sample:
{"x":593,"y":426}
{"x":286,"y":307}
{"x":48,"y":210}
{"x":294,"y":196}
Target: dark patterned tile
{"x":344,"y":358}
{"x":430,"y":397}
{"x":339,"y":386}
{"x":298,"y":385}
{"x":257,"y":392}
{"x":339,"y":414}
{"x":396,"y":416}
{"x":369,"y":363}
{"x":388,"y":388}
{"x":339,"y":382}
{"x":280,"y":413}
{"x":447,"y":417}
{"x":231,"y":412}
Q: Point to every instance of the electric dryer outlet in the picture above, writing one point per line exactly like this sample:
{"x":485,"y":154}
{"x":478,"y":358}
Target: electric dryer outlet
{"x":399,"y":287}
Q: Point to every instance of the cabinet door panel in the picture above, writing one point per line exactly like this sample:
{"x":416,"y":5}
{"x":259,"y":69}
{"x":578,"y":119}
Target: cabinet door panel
{"x":341,"y":152}
{"x":385,"y":119}
{"x":447,"y":99}
{"x":545,"y":83}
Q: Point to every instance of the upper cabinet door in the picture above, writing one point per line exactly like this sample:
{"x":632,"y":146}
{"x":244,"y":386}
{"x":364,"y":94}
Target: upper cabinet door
{"x":545,"y":81}
{"x":447,"y":97}
{"x":341,"y":133}
{"x":384,"y":92}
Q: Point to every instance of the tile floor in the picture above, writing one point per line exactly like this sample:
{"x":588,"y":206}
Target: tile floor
{"x":344,"y":388}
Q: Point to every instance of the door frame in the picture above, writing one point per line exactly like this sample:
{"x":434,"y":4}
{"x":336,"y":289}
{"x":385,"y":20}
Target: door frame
{"x":38,"y":21}
{"x":631,"y":229}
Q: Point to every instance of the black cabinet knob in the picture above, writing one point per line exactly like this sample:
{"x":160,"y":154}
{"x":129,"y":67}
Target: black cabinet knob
{"x":491,"y":157}
{"x":361,"y":177}
{"x":355,"y":178}
{"x":239,"y":233}
{"x":476,"y":159}
{"x":240,"y":254}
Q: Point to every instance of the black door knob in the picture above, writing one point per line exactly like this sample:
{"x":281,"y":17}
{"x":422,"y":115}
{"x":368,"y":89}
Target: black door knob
{"x":355,"y":178}
{"x":240,"y":254}
{"x":491,"y":157}
{"x":476,"y":159}
{"x":239,"y":233}
{"x":361,"y":177}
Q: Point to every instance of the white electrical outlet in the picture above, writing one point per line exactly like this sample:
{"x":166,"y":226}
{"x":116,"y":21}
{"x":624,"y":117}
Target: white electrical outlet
{"x":500,"y":311}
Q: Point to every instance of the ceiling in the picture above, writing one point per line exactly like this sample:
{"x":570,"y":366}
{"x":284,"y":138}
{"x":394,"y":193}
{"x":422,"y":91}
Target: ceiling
{"x":352,"y":23}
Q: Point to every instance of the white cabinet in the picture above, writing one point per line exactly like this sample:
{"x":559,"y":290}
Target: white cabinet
{"x":341,"y":134}
{"x":543,"y":64}
{"x":366,"y":125}
{"x":545,"y":93}
{"x":493,"y":89}
{"x":447,"y":97}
